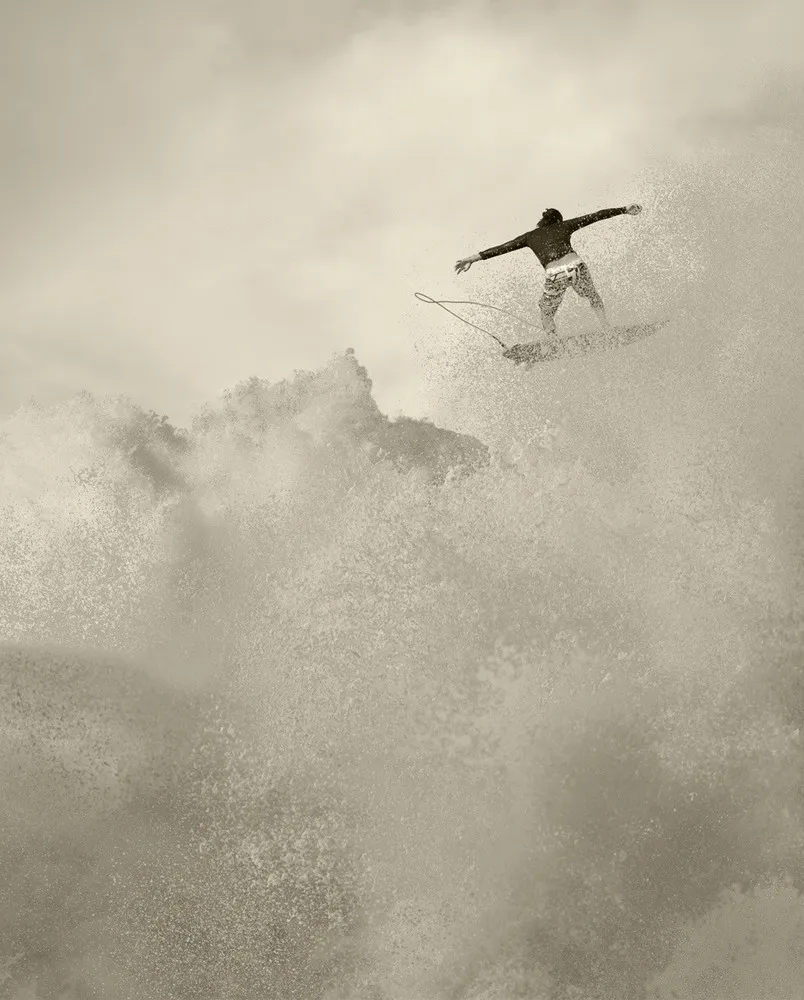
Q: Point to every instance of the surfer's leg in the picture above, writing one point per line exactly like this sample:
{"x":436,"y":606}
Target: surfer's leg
{"x":585,"y":287}
{"x":554,"y":288}
{"x":602,"y":318}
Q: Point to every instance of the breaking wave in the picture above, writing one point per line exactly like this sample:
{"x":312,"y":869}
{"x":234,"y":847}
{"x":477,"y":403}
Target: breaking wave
{"x":306,"y":702}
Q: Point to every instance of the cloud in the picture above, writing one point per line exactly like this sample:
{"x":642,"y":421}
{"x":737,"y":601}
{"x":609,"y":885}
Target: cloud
{"x":257,"y":220}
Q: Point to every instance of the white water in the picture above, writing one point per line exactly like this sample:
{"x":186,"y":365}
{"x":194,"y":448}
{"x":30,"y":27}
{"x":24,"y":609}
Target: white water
{"x":300,"y":703}
{"x":286,"y":709}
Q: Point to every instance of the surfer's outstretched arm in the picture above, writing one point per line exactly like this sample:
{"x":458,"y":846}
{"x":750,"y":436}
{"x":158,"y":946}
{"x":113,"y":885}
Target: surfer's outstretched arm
{"x":517,"y":244}
{"x":604,"y":213}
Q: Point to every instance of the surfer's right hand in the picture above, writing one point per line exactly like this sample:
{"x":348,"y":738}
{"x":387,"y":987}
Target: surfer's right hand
{"x":465,"y":263}
{"x":634,"y":209}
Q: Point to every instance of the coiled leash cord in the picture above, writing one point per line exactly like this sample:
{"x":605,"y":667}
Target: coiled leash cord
{"x":467,"y":302}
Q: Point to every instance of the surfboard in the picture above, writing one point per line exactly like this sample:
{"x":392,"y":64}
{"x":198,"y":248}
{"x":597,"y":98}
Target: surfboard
{"x":583,"y":343}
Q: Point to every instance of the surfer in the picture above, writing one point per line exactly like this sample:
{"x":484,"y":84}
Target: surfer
{"x":550,"y":241}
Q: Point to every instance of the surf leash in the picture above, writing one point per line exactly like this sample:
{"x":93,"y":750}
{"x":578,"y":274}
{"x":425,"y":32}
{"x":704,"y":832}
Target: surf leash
{"x":444,"y":303}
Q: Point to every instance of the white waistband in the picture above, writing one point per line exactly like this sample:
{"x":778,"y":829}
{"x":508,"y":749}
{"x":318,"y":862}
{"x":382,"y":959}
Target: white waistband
{"x":569,"y":266}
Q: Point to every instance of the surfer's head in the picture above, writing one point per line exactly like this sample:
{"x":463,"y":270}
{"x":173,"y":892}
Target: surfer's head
{"x":550,"y":216}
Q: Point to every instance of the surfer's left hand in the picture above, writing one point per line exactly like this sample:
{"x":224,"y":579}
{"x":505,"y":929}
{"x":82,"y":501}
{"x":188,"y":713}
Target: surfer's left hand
{"x":634,"y":209}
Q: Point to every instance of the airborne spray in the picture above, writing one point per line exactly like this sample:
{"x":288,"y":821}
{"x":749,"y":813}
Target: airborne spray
{"x":359,"y":708}
{"x":302,"y":702}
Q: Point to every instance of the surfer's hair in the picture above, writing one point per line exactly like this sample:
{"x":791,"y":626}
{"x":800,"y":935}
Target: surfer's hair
{"x":550,"y":216}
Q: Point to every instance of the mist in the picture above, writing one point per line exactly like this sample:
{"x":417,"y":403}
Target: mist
{"x":180,"y":170}
{"x":338,"y":659}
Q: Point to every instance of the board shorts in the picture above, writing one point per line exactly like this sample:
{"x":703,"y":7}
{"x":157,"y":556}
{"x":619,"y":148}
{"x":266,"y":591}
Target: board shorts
{"x":576,"y":276}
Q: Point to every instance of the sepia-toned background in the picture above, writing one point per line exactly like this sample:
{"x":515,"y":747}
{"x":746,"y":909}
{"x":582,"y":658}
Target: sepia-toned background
{"x":339,"y":659}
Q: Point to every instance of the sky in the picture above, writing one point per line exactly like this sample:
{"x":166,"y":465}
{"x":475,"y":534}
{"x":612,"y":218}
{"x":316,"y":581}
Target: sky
{"x":195,"y":193}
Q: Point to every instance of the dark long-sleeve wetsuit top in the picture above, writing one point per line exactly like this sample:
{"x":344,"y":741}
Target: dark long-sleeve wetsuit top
{"x":552,"y":242}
